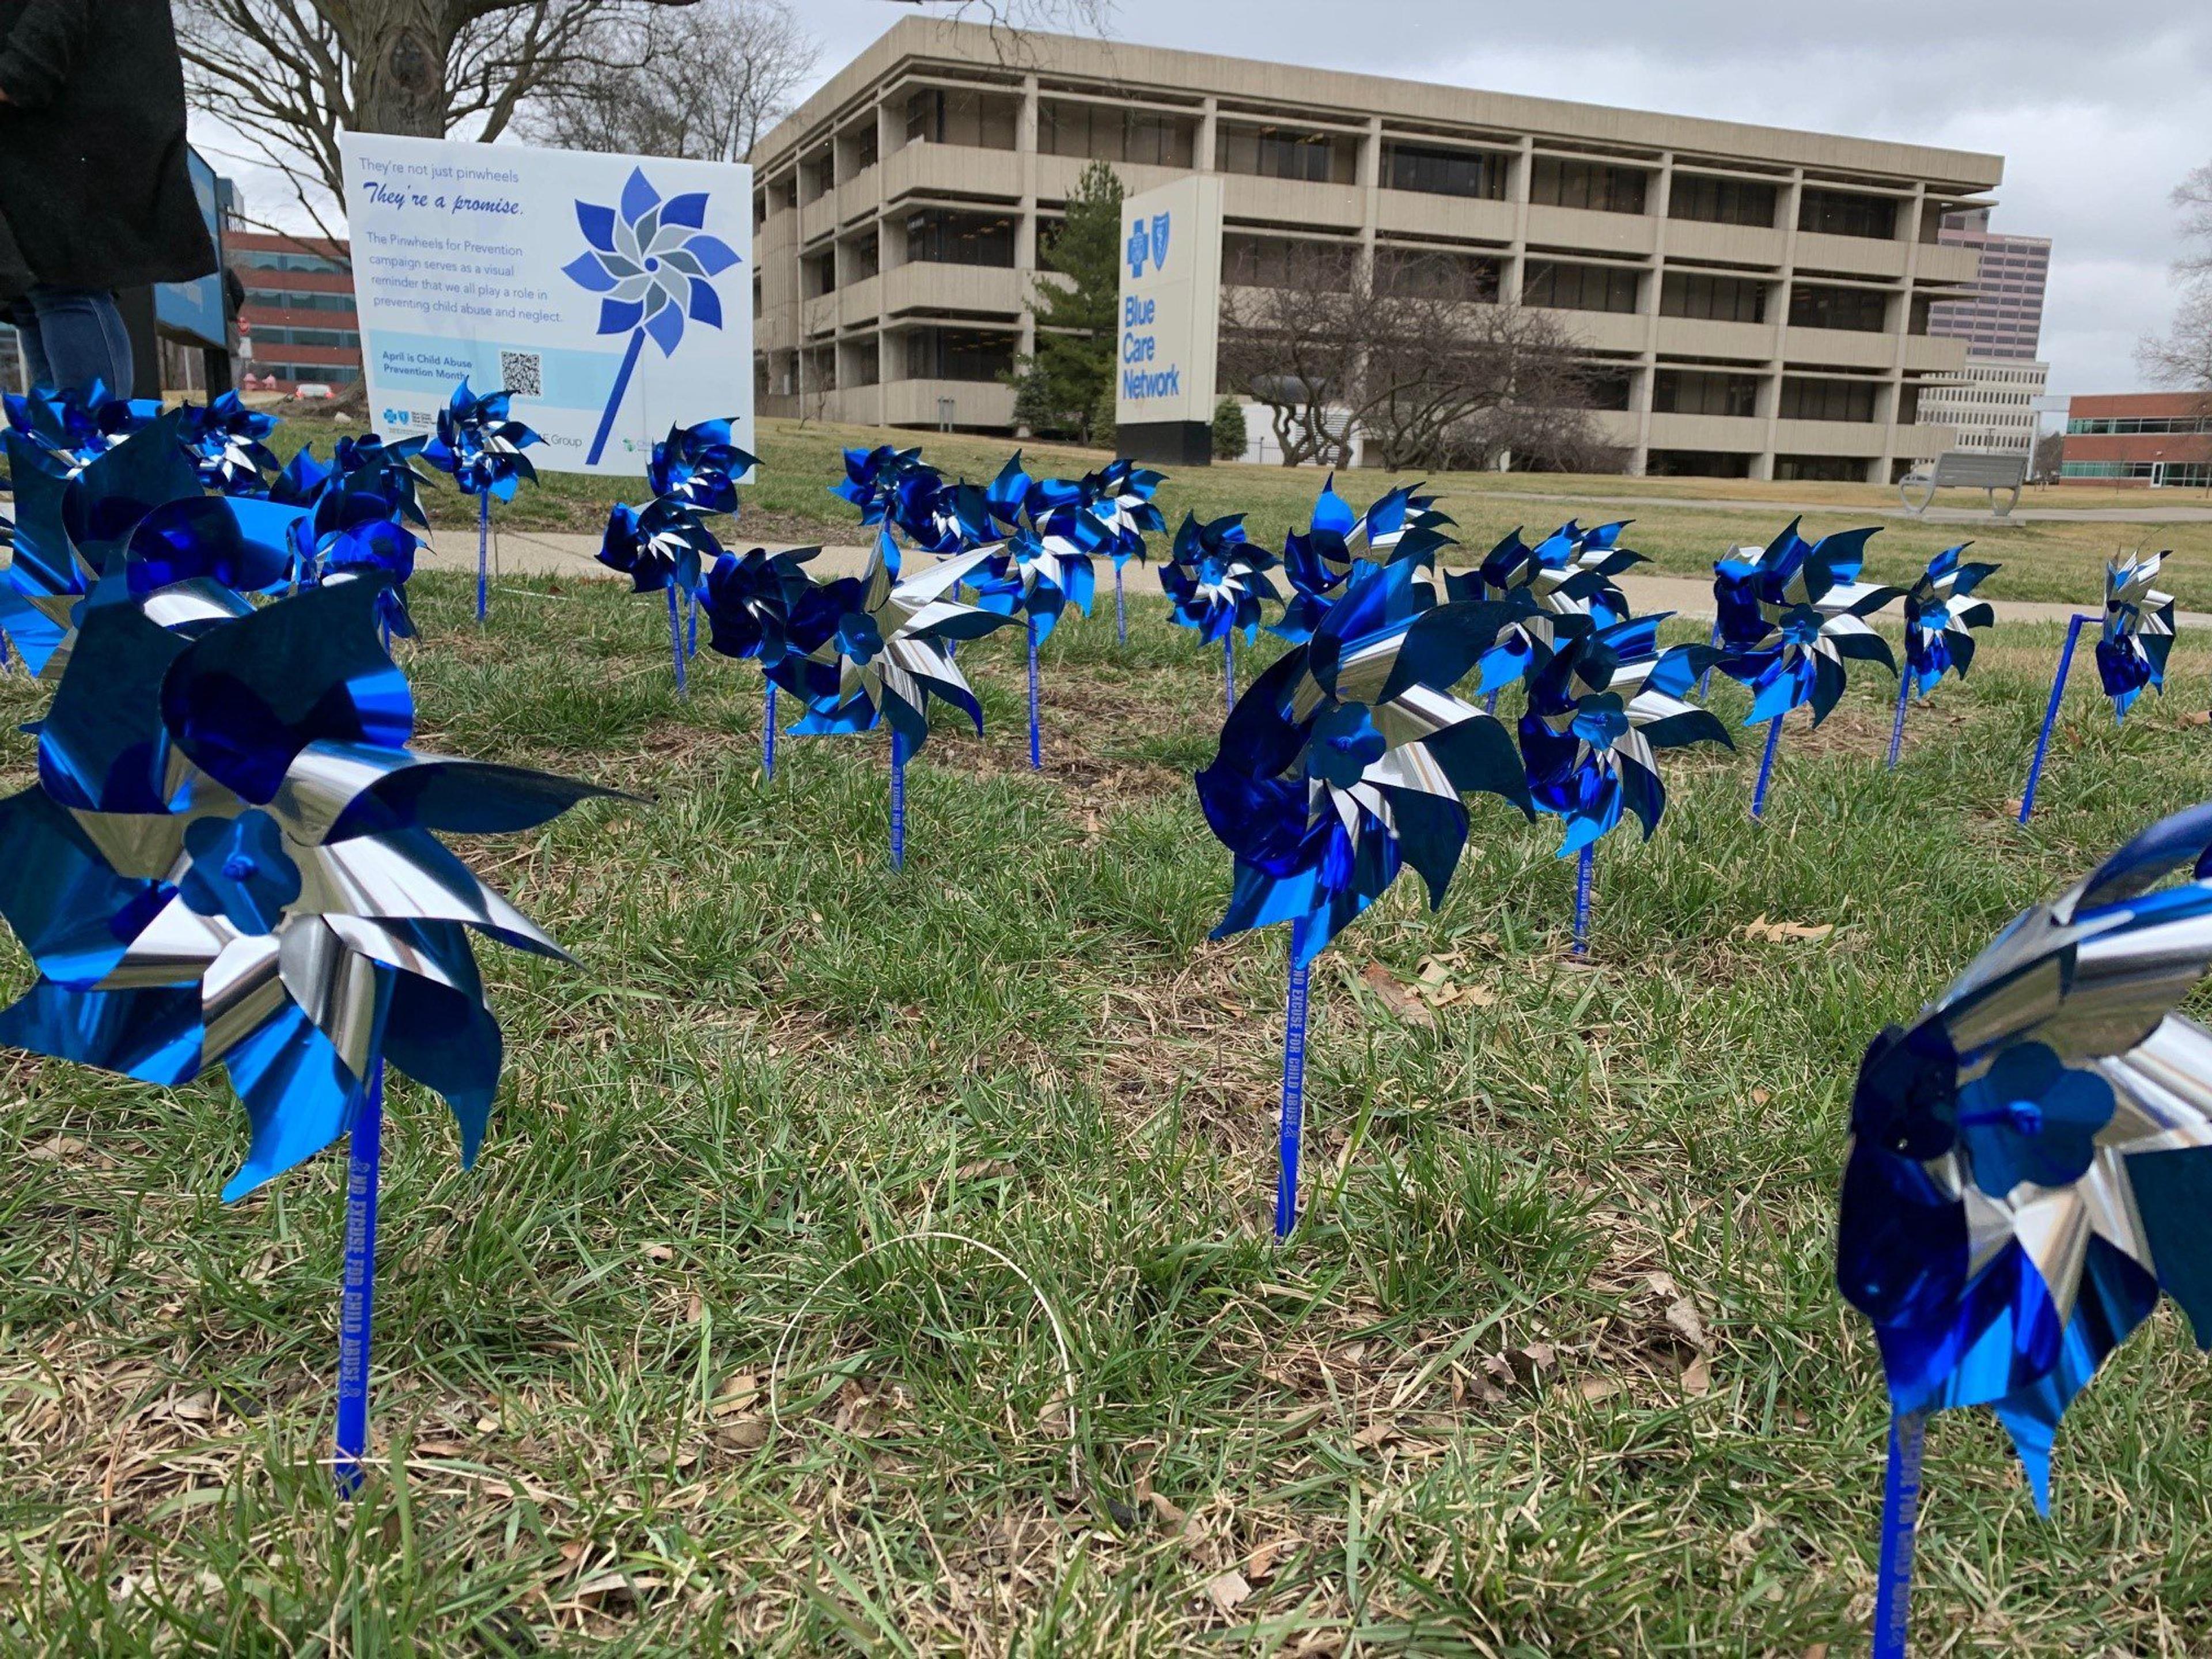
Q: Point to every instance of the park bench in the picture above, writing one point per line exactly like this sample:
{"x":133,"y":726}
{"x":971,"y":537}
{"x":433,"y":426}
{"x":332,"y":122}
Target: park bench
{"x":1962,"y":469}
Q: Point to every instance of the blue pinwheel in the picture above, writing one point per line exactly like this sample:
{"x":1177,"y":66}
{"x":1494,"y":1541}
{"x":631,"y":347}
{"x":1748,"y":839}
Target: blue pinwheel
{"x":1599,"y":707}
{"x":1318,"y":561}
{"x":751,"y":600}
{"x":896,"y":487}
{"x":653,"y":263}
{"x":700,"y":465}
{"x":1120,"y":496}
{"x":1041,"y":566}
{"x":1215,"y":582}
{"x":356,"y":533}
{"x":662,"y":548}
{"x":2138,"y":634}
{"x":132,"y":525}
{"x":874,"y":650}
{"x":1570,"y":573}
{"x":479,"y":445}
{"x":230,"y":445}
{"x":1789,"y":618}
{"x":2031,"y":1166}
{"x":384,"y":467}
{"x":1347,"y":759}
{"x":1939,"y":624}
{"x":228,"y":858}
{"x":70,"y":428}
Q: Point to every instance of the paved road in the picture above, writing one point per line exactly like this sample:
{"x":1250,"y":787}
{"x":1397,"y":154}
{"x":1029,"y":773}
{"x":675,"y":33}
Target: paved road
{"x":551,"y":554}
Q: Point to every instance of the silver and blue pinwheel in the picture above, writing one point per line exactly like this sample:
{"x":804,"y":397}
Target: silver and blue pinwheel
{"x":1319,"y":560}
{"x":1568,"y":573}
{"x":1120,"y":496}
{"x":70,"y":428}
{"x":1214,"y":578}
{"x":874,"y":650}
{"x":230,"y":445}
{"x":751,"y":600}
{"x":2132,"y":648}
{"x":479,"y":445}
{"x":1041,"y":566}
{"x":700,"y":465}
{"x":664,"y":547}
{"x":2031,"y":1166}
{"x":1940,"y":619}
{"x":1789,"y":616}
{"x":653,"y":263}
{"x":229,"y":859}
{"x":1347,"y":759}
{"x":1602,"y":704}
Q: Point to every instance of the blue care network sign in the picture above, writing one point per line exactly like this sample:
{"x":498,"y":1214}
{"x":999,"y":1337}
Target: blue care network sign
{"x":1170,"y":308}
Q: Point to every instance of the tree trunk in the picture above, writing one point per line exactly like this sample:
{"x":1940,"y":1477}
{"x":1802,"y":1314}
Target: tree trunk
{"x":399,"y":66}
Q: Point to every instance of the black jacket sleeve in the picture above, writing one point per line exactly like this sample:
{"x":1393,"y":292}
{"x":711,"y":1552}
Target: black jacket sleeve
{"x":43,"y":50}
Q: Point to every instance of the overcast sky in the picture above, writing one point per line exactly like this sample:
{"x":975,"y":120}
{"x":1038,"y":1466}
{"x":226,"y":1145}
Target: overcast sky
{"x":2096,"y":123}
{"x":2097,"y":114}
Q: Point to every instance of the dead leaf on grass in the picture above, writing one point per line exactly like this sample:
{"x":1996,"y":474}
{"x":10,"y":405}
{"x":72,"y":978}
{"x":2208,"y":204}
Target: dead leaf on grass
{"x":1762,"y":932}
{"x":1227,"y":1589}
{"x":1397,"y":998}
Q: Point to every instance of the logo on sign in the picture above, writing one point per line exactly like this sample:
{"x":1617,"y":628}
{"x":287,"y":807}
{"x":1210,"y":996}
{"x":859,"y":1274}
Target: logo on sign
{"x":1140,"y":246}
{"x":1159,"y":241}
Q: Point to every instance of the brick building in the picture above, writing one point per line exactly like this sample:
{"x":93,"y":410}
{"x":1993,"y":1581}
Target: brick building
{"x":2151,"y":438}
{"x":299,"y":310}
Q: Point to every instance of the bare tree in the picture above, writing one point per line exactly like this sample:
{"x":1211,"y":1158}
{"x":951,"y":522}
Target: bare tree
{"x":2050,"y":451}
{"x":703,"y":83}
{"x":2184,"y":355}
{"x":290,"y":74}
{"x":1415,"y":353}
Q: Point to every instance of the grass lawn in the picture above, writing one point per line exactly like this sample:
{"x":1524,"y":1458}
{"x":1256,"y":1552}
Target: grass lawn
{"x":1555,"y":1365}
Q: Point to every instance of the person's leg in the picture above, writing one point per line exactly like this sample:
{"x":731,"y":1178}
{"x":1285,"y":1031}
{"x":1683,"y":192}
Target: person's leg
{"x":83,"y":339}
{"x":36,"y":369}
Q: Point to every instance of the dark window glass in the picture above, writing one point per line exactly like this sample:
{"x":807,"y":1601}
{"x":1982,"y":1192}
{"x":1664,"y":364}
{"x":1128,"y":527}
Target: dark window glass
{"x":1861,"y":310}
{"x":1716,"y":298}
{"x":980,"y":120}
{"x":1819,"y":469}
{"x":1606,"y":391}
{"x":1842,"y":213}
{"x":299,"y":299}
{"x":1697,"y":464}
{"x":1473,"y":173}
{"x":1284,"y":153}
{"x":820,"y":272}
{"x":1438,"y":276}
{"x":1684,"y":391}
{"x":1598,"y":185}
{"x":864,"y":148}
{"x":328,"y":373}
{"x":1249,"y":261}
{"x":960,"y":239}
{"x":256,"y":259}
{"x":1720,"y":200}
{"x":1104,"y":133}
{"x":957,"y":354}
{"x":1827,"y":400}
{"x":1579,"y":288}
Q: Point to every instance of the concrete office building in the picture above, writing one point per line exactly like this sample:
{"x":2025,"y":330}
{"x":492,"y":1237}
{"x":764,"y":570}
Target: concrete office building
{"x":1992,"y":405}
{"x":1762,"y":298}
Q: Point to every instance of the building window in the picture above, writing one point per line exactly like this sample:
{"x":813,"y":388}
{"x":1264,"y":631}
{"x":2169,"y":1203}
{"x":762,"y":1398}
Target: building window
{"x":1605,"y":388}
{"x":1600,"y":187}
{"x":1249,"y":261}
{"x":1284,"y":153}
{"x":817,"y":178}
{"x":334,"y":339}
{"x":1721,"y":201}
{"x":1418,"y":273}
{"x":864,"y":151}
{"x":1819,"y":469}
{"x":818,"y":275}
{"x":1863,"y":310}
{"x":980,"y":120}
{"x":284,"y":299}
{"x":862,"y":257}
{"x":256,"y":259}
{"x":1844,"y":213}
{"x":940,"y":238}
{"x":958,"y":354}
{"x":1696,"y":464}
{"x":329,"y":373}
{"x":1103,"y":132}
{"x":1579,"y":288}
{"x":1686,"y":392}
{"x":1826,"y":400}
{"x":1917,"y":314}
{"x":1714,"y":298}
{"x":1472,"y":172}
{"x":2118,"y":425}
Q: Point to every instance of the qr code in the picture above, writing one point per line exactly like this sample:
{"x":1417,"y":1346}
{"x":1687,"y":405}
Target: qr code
{"x":522,"y":374}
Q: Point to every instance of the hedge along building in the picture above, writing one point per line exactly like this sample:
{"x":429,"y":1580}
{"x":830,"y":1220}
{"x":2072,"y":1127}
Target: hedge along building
{"x":1757,"y":299}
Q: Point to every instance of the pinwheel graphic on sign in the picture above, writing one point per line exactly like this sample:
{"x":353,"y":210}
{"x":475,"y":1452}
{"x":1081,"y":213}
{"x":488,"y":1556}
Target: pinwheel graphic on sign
{"x":662,"y":548}
{"x":1568,"y":573}
{"x":1345,"y":759}
{"x":479,"y":445}
{"x":1939,"y":624}
{"x":2131,"y":652}
{"x":750,"y":603}
{"x":1789,"y":619}
{"x":132,"y":526}
{"x":874,"y":650}
{"x":1120,"y":496}
{"x":1600,"y":707}
{"x":653,"y":263}
{"x":230,"y":445}
{"x":2031,"y":1166}
{"x":228,"y":859}
{"x":1214,"y":580}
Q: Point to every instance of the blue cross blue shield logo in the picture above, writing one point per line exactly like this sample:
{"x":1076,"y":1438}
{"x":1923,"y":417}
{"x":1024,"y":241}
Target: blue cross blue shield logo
{"x":1138,"y":245}
{"x":1159,"y":241}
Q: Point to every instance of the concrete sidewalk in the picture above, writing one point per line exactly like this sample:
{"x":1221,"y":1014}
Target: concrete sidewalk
{"x":547,"y":553}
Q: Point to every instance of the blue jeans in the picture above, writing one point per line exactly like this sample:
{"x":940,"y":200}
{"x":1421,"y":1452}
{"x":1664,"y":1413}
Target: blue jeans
{"x":73,"y":337}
